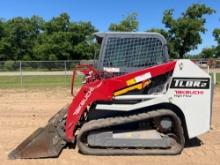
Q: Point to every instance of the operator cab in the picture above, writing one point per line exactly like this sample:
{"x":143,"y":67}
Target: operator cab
{"x":123,"y":52}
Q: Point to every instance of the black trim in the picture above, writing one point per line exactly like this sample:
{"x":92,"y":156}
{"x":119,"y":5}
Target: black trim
{"x":190,"y":83}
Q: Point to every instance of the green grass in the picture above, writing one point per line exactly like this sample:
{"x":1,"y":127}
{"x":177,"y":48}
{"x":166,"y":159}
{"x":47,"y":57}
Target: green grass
{"x":46,"y":81}
{"x":217,"y":77}
{"x":37,"y":81}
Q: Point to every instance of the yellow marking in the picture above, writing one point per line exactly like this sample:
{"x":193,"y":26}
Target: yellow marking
{"x":137,"y":86}
{"x":131,"y":82}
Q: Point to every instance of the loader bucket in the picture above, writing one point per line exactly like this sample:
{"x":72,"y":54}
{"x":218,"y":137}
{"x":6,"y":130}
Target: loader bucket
{"x":42,"y":143}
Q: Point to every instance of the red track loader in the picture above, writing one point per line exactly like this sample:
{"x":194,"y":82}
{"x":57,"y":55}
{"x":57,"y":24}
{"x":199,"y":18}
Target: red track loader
{"x":134,"y":102}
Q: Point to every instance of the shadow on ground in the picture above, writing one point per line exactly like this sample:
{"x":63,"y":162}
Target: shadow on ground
{"x":195,"y":142}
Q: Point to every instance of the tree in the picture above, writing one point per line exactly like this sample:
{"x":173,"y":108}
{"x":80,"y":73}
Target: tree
{"x":56,"y":39}
{"x":208,"y":53}
{"x":216,"y":34}
{"x":171,"y":50}
{"x":19,"y":38}
{"x":128,"y":24}
{"x":83,"y":33}
{"x":217,"y":51}
{"x":58,"y":24}
{"x":65,"y":40}
{"x":3,"y":56}
{"x":1,"y":28}
{"x":184,"y":32}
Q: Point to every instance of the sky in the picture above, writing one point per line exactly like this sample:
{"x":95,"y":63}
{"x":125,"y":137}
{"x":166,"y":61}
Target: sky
{"x":103,"y":12}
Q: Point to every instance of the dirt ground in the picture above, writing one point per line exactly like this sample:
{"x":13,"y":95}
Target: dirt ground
{"x":24,"y":110}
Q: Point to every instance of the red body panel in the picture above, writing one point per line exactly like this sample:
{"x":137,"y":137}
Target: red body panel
{"x":102,"y":90}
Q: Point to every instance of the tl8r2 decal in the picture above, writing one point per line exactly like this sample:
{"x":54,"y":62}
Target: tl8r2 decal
{"x":190,"y":83}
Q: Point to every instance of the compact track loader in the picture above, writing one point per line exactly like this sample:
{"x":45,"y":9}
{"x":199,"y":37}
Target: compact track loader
{"x":134,"y":102}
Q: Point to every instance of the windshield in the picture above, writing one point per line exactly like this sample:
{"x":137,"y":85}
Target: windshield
{"x":132,"y":52}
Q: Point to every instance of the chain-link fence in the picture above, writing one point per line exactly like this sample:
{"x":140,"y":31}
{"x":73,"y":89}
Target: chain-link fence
{"x":37,"y":73}
{"x":212,"y":66}
{"x":15,"y":74}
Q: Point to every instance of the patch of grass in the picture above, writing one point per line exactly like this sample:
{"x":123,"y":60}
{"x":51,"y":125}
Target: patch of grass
{"x":37,"y":81}
{"x":217,"y":77}
{"x":9,"y":81}
{"x":47,"y":81}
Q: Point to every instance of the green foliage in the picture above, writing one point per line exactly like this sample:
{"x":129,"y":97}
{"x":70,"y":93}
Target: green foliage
{"x":171,"y":49}
{"x":9,"y":65}
{"x":62,"y":39}
{"x":161,"y":31}
{"x":217,"y":51}
{"x":58,"y":24}
{"x":208,"y":53}
{"x":216,"y":34}
{"x":36,"y":39}
{"x":65,"y":40}
{"x":184,"y":32}
{"x":20,"y":35}
{"x":128,"y":24}
{"x":2,"y":30}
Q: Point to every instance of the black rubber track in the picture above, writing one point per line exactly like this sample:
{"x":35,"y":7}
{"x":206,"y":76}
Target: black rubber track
{"x":114,"y":121}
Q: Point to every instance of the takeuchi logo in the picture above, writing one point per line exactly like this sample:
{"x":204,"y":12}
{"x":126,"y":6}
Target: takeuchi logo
{"x":83,"y":101}
{"x":85,"y":98}
{"x":189,"y":92}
